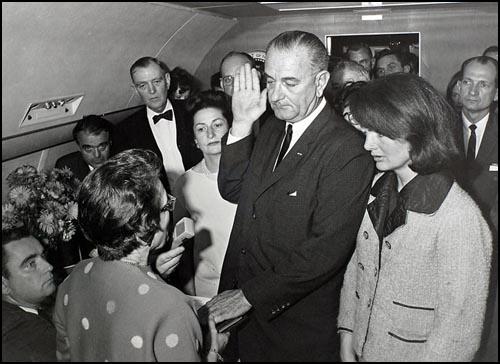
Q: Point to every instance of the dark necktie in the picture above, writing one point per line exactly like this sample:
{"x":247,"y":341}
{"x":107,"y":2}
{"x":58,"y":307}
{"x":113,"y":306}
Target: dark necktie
{"x":471,"y":147}
{"x":286,"y":144}
{"x":166,"y":115}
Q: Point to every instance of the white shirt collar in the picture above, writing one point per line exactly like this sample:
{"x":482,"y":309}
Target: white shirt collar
{"x":29,"y":309}
{"x":299,"y":127}
{"x":479,"y":124}
{"x":152,"y":113}
{"x":480,"y":128}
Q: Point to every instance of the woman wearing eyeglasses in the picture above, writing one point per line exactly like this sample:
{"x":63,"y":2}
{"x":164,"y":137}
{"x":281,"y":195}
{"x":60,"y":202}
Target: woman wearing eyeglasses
{"x":199,"y":198}
{"x":113,"y":307}
{"x":415,"y":288}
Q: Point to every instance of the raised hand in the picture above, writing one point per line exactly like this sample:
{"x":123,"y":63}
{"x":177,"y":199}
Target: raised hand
{"x":248,"y":102}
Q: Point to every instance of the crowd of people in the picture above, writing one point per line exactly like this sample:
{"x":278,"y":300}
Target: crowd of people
{"x":343,"y":209}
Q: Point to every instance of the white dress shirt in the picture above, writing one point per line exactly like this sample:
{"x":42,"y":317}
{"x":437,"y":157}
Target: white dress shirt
{"x":480,"y":127}
{"x":298,"y":128}
{"x":165,"y":134}
{"x":29,"y":309}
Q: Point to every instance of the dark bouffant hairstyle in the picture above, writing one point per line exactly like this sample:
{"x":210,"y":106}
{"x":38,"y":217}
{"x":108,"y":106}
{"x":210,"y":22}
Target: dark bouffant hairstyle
{"x":206,"y":99}
{"x":405,"y":106}
{"x":119,"y":203}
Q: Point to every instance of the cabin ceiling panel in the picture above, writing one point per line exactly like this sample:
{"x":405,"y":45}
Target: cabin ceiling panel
{"x":449,"y":34}
{"x":58,"y":49}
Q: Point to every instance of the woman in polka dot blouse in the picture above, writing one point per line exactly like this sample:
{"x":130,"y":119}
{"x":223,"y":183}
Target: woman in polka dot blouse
{"x":113,"y":307}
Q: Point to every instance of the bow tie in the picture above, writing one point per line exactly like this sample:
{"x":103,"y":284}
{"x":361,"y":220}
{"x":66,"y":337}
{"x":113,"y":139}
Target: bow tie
{"x":166,"y":115}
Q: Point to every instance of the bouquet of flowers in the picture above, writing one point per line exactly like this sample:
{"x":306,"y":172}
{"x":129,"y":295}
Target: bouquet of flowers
{"x":44,"y":202}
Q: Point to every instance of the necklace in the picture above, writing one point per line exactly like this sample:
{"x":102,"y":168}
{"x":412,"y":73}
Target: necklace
{"x":206,"y":171}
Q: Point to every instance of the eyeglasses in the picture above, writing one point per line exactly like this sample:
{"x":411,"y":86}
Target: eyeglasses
{"x":90,"y":148}
{"x":227,"y":80}
{"x":170,"y":205}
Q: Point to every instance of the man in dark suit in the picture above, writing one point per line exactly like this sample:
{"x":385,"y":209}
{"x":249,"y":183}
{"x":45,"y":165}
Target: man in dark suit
{"x":27,"y":283}
{"x":478,"y":137}
{"x":161,"y":126}
{"x":92,"y":134}
{"x":478,"y":92}
{"x":301,"y":196}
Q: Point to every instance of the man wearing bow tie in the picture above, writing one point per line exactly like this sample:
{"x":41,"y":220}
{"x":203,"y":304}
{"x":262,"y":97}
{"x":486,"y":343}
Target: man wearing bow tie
{"x":161,"y":125}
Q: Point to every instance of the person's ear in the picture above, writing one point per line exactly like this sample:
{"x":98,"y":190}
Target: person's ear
{"x":496,"y":95}
{"x":167,"y":80}
{"x":321,"y":81}
{"x":406,"y":68}
{"x":6,"y":290}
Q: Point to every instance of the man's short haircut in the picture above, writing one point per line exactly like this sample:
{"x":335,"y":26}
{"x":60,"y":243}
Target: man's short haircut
{"x":119,"y":203}
{"x":146,"y":61}
{"x":209,"y":98}
{"x":238,"y":54}
{"x":482,"y":60}
{"x":358,"y":47}
{"x":92,"y":124}
{"x":8,"y":236}
{"x":295,"y":38}
{"x":492,"y":48}
{"x":405,"y":106}
{"x":352,"y":66}
{"x":386,"y":52}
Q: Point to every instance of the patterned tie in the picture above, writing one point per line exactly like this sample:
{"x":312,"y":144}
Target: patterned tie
{"x":471,"y":148}
{"x":166,"y":115}
{"x":286,"y":144}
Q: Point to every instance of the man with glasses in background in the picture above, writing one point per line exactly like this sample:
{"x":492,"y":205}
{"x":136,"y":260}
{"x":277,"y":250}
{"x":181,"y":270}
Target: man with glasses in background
{"x":92,"y":134}
{"x":229,"y":66}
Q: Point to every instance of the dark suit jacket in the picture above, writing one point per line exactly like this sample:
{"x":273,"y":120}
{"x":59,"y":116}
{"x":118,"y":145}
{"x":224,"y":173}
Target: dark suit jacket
{"x":26,"y":336}
{"x":477,"y":178}
{"x":134,"y":132}
{"x":482,"y":184}
{"x":294,"y":233}
{"x":75,"y":162}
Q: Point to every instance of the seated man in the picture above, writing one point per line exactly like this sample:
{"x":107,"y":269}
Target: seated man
{"x":92,"y":134}
{"x":27,"y":283}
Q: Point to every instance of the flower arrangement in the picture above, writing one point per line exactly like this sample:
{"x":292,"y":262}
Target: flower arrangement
{"x":44,"y":202}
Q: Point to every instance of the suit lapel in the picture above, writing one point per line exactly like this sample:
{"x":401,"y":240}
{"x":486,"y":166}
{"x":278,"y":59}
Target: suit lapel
{"x":295,"y":155}
{"x":490,"y":138}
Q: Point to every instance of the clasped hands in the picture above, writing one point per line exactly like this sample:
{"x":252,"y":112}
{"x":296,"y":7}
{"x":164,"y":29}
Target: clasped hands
{"x":248,"y":102}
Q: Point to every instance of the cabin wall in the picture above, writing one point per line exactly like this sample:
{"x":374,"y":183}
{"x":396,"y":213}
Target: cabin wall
{"x":448,"y":36}
{"x":60,"y":49}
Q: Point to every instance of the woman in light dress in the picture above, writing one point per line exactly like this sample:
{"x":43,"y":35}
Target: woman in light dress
{"x":198,"y":197}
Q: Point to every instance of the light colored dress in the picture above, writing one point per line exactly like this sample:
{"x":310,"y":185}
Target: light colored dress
{"x":115,"y":311}
{"x":213,"y":220}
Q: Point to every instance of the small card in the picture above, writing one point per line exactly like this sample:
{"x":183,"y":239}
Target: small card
{"x":183,"y":230}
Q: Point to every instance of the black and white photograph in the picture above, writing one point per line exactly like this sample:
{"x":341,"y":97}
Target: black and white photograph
{"x":250,"y":181}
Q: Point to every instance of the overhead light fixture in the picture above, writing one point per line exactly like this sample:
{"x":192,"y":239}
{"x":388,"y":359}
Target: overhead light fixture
{"x":372,"y":17}
{"x":284,"y":6}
